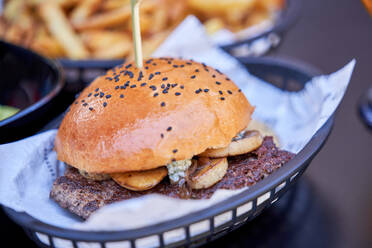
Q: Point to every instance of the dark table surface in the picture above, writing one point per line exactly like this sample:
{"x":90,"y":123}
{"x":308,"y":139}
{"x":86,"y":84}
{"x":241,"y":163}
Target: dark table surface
{"x":332,"y":204}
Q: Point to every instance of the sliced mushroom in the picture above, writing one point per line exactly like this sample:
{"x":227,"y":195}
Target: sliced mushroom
{"x":207,"y":173}
{"x":245,"y":142}
{"x":140,"y":180}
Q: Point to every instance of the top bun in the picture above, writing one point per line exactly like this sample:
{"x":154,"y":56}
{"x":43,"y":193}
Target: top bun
{"x":131,"y":119}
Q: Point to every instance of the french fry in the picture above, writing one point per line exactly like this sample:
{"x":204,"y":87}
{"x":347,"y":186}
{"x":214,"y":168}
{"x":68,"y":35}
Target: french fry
{"x":13,"y":9}
{"x":114,"y":4}
{"x":209,"y":7}
{"x":84,"y":9}
{"x":110,"y":18}
{"x":61,"y":30}
{"x":117,"y":50}
{"x":150,"y":45}
{"x":48,"y":46}
{"x":98,"y":39}
{"x":213,"y":25}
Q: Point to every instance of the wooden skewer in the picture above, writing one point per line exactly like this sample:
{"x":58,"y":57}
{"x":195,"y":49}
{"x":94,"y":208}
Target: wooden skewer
{"x":136,"y":29}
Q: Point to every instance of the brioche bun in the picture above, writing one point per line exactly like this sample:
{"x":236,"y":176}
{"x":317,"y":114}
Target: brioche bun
{"x":126,"y":121}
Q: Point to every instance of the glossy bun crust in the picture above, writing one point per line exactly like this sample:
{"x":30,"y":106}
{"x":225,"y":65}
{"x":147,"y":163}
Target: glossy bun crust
{"x":128,"y":120}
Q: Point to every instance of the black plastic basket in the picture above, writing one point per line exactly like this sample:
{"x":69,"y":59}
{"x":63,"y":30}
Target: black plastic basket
{"x":238,"y":209}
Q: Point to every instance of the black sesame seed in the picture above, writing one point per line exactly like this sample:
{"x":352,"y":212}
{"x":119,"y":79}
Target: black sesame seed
{"x":174,"y":85}
{"x":117,"y":87}
{"x":239,"y":90}
{"x":222,"y":98}
{"x":96,"y":90}
{"x":101,"y":94}
{"x":133,"y":86}
{"x":177,"y":93}
{"x":165,"y":78}
{"x":182,"y":65}
{"x":121,"y":96}
{"x":175,"y":151}
{"x":83,"y":100}
{"x":169,"y":62}
{"x":162,"y":104}
{"x":229,"y":91}
{"x":169,"y":129}
{"x":162,"y":135}
{"x":189,"y":63}
{"x":175,"y":66}
{"x":140,"y":76}
{"x":213,"y":76}
{"x":90,"y":108}
{"x":151,"y":76}
{"x":89,"y":94}
{"x":95,"y":95}
{"x":104,"y":104}
{"x":149,"y":61}
{"x":182,"y":87}
{"x":156,"y":94}
{"x":197,"y":91}
{"x":85,"y":104}
{"x":197,"y":70}
{"x":116,"y":80}
{"x":128,"y":66}
{"x":157,"y":73}
{"x":165,"y":91}
{"x":109,"y":78}
{"x":228,"y":79}
{"x":218,"y":83}
{"x":131,"y":75}
{"x":162,"y":86}
{"x":221,"y":93}
{"x":127,"y":83}
{"x":153,"y":87}
{"x":108,"y":96}
{"x":173,"y":160}
{"x":146,"y":67}
{"x":193,"y":76}
{"x":206,"y":69}
{"x":123,"y":87}
{"x":143,"y":84}
{"x":154,"y":64}
{"x":206,"y":90}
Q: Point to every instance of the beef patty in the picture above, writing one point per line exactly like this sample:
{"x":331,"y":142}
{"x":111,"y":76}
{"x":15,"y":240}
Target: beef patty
{"x":83,"y":196}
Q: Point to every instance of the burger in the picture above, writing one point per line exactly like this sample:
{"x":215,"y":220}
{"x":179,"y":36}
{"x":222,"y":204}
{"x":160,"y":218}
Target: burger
{"x":175,"y":127}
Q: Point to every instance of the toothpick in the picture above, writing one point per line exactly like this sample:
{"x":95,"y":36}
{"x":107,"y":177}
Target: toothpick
{"x":136,"y":29}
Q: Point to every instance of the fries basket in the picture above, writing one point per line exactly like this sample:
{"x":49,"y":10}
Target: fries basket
{"x":271,"y":37}
{"x":240,"y":208}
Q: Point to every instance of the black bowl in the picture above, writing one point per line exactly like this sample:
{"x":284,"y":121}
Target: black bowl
{"x":241,"y":208}
{"x":30,"y":83}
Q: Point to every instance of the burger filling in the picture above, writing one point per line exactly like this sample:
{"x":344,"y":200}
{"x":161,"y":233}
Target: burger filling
{"x":244,"y":142}
{"x":177,"y":170}
{"x":95,"y":176}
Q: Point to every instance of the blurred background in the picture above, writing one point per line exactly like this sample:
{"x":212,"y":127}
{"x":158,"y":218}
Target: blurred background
{"x":331,"y":206}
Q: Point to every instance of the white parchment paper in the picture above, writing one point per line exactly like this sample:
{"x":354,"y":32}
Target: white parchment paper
{"x":29,"y":167}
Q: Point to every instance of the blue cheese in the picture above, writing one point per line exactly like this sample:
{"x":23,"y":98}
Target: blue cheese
{"x":177,"y":169}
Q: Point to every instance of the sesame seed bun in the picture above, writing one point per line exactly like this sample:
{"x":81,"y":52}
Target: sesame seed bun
{"x":132,"y":120}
